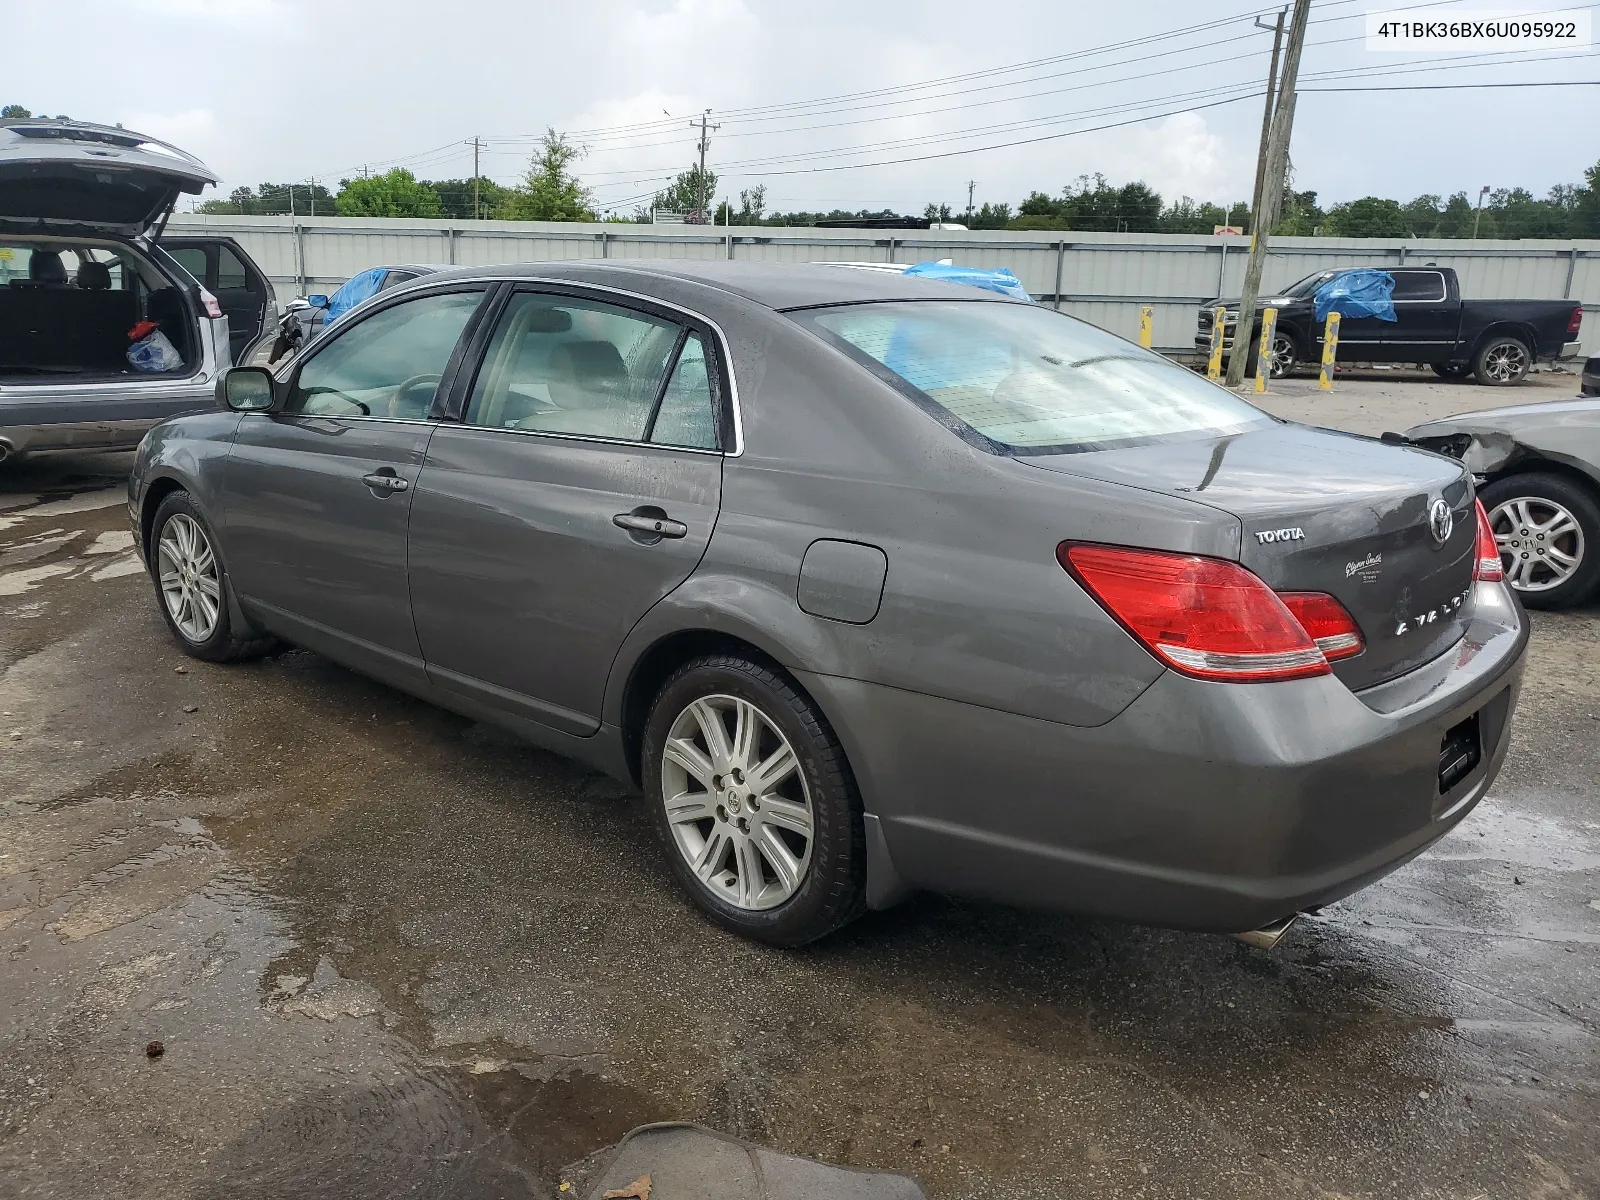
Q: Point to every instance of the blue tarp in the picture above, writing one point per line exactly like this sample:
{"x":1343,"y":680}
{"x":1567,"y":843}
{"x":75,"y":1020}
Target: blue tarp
{"x":355,"y":290}
{"x":1357,"y":294}
{"x":1000,"y":280}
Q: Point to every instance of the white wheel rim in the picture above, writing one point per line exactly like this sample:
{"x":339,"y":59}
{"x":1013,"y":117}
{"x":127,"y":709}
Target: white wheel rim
{"x":187,"y":568}
{"x":1540,"y":541}
{"x":737,"y":802}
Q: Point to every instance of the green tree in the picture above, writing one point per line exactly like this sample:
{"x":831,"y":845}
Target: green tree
{"x":396,"y":193}
{"x":14,"y":112}
{"x":1586,"y":205}
{"x":989,"y":216}
{"x":1423,"y":215}
{"x":550,"y":191}
{"x":455,"y":197}
{"x":1370,"y":216}
{"x":937,"y":213}
{"x":693,"y":191}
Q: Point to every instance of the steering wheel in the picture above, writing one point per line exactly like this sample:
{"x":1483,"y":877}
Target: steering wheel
{"x":398,"y":405}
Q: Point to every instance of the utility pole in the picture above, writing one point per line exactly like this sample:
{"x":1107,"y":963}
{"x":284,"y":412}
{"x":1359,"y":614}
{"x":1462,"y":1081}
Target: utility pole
{"x":1271,"y":191}
{"x":1266,"y":122}
{"x":475,"y":209}
{"x":971,"y":187}
{"x":705,"y":144}
{"x":313,"y":183}
{"x":1478,"y":216}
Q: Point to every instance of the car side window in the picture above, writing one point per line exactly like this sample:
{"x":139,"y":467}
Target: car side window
{"x":1418,"y":285}
{"x":687,"y":416}
{"x":193,"y":260}
{"x":560,"y":364}
{"x":388,"y":364}
{"x":231,"y":272}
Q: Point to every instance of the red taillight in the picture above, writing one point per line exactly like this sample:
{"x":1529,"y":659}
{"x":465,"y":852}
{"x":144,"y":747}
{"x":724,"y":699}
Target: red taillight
{"x":209,"y":303}
{"x":1487,"y":567}
{"x":1201,"y":616}
{"x":1328,"y":622}
{"x":1575,"y":322}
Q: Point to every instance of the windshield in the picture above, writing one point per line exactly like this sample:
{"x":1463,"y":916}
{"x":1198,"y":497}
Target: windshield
{"x":1026,"y":380}
{"x":1309,"y":284}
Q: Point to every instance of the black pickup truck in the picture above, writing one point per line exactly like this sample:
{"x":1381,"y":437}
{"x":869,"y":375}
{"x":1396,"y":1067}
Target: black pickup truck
{"x":1494,"y":340}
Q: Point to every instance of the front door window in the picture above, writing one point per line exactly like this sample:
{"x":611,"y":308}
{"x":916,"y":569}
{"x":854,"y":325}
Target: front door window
{"x":387,"y":365}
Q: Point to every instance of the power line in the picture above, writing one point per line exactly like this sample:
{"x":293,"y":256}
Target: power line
{"x":1444,"y":87}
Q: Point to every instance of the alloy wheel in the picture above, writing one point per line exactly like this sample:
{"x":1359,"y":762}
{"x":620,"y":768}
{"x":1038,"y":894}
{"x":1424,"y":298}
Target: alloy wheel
{"x":1282,"y":356}
{"x":736,"y":802}
{"x":1541,"y":543}
{"x":1506,"y":362}
{"x":190,"y":586}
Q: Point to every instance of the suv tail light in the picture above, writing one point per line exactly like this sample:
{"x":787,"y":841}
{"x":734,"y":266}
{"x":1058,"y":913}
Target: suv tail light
{"x":209,"y":303}
{"x":1328,"y":622}
{"x":1487,"y":567}
{"x":1203,"y":617}
{"x":1575,"y":322}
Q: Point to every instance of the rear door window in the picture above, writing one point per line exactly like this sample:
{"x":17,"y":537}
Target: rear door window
{"x":193,"y":260}
{"x":1418,"y":285}
{"x":1016,"y":378}
{"x":231,"y":272}
{"x":565,"y":365}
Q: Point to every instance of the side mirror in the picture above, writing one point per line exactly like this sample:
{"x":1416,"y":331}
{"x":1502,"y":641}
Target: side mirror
{"x":317,"y":301}
{"x":246,"y":389}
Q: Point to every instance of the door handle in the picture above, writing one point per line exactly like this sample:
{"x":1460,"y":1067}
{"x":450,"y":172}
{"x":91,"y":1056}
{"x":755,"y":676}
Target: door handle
{"x":652,"y":523}
{"x":383,"y":481}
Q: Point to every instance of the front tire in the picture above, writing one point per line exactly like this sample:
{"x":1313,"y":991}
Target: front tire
{"x":754,"y":802}
{"x":1502,"y":362}
{"x":192,"y":588}
{"x":1548,"y":530}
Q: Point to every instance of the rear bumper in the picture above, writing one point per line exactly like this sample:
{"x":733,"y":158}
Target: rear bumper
{"x":1217,"y":807}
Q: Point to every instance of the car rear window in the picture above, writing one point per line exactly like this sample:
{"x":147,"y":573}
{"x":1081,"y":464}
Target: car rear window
{"x":1028,"y":380}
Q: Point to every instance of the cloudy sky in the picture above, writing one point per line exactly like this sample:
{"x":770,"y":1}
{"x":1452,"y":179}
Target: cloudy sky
{"x":818,"y":100}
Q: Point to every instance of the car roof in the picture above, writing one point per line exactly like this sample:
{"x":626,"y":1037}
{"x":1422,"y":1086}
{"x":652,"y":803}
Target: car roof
{"x":780,"y":286}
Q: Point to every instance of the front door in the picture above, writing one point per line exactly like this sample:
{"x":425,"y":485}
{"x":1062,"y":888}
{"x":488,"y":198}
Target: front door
{"x":579,"y":489}
{"x":318,"y":495}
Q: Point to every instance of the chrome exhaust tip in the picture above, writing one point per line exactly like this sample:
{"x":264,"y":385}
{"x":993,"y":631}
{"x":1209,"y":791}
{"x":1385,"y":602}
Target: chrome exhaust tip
{"x":1268,"y":935}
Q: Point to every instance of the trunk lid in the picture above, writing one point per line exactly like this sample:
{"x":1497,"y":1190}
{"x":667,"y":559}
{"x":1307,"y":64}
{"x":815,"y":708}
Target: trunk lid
{"x":1328,"y":512}
{"x":73,"y":177}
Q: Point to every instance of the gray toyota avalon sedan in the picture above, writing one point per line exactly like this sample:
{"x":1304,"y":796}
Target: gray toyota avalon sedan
{"x":871,"y":583}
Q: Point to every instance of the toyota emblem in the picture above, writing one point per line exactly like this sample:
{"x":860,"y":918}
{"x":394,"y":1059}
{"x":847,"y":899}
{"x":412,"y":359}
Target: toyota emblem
{"x":1440,"y":521}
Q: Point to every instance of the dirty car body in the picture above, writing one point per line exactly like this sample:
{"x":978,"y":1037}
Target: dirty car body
{"x":930,"y":578}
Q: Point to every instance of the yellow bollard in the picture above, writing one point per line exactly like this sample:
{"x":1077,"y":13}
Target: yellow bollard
{"x":1219,"y":327}
{"x":1269,"y":326}
{"x":1147,"y":326}
{"x":1330,"y":352}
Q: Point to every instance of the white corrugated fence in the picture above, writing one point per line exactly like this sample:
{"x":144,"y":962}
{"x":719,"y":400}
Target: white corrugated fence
{"x":1101,"y":277}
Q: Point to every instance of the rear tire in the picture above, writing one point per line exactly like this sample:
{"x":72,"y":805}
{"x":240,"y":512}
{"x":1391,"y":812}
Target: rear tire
{"x":1548,"y":531}
{"x":735,"y":838}
{"x":1502,"y":362}
{"x":192,"y":587}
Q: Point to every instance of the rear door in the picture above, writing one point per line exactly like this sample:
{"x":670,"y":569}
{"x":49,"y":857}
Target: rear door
{"x":242,"y":291}
{"x":319,"y":494}
{"x":580,"y":487}
{"x":1426,"y":317}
